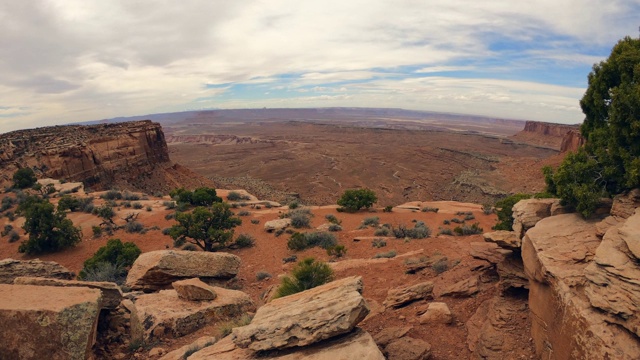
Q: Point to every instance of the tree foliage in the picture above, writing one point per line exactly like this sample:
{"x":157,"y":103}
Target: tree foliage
{"x":609,"y":163}
{"x":24,"y":178}
{"x":504,"y":210}
{"x":355,"y":199}
{"x":115,"y":252}
{"x":210,"y":229}
{"x":48,"y":230}
{"x":203,"y":196}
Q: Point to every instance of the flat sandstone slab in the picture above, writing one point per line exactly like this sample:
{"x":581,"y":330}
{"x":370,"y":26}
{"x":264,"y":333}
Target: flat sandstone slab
{"x":47,"y":322}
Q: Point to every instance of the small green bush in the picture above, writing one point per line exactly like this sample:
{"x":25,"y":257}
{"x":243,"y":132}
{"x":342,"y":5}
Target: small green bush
{"x":294,"y":204}
{"x":169,"y":205}
{"x":335,"y":227}
{"x":457,"y":221}
{"x":115,"y":252}
{"x":24,"y":178}
{"x":446,"y":222}
{"x":149,"y":208}
{"x":383,"y":231}
{"x":332,"y":219}
{"x":389,"y":254}
{"x":166,"y":231}
{"x":7,"y":229}
{"x":355,"y":199}
{"x":97,"y":231}
{"x":302,"y":241}
{"x":430,"y":209}
{"x":255,"y":221}
{"x":133,"y":227}
{"x":130,"y":196}
{"x":7,"y":203}
{"x":300,"y":218}
{"x":243,"y":213}
{"x":337,"y":251}
{"x":106,"y":271}
{"x":137,"y":205}
{"x":236,"y":196}
{"x":469,"y":217}
{"x":13,"y":236}
{"x":170,"y":216}
{"x":112,"y":195}
{"x":388,"y":209}
{"x":468,"y":230}
{"x":190,"y":247}
{"x":487,"y":209}
{"x":419,"y":231}
{"x":504,"y":210}
{"x":445,"y":231}
{"x":306,"y":275}
{"x":440,"y":266}
{"x":244,"y":241}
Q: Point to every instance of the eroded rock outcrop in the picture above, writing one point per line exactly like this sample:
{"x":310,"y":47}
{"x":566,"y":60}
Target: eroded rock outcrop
{"x":46,"y":322}
{"x":565,"y":325}
{"x":111,"y":295}
{"x":164,"y":313}
{"x":156,"y":270}
{"x":527,"y":213}
{"x":305,"y":318}
{"x":194,"y":290}
{"x":400,"y":296}
{"x":10,"y":269}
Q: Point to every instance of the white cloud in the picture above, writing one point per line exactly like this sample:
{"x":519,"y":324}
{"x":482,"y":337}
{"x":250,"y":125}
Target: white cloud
{"x":73,"y":60}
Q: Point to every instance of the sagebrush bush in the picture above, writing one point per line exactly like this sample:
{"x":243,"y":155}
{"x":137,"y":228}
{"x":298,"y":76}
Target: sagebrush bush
{"x":307,"y":274}
{"x":255,"y":221}
{"x":137,"y":205}
{"x":112,"y":195}
{"x":337,"y":251}
{"x":116,"y":253}
{"x":457,"y":221}
{"x":332,"y":219}
{"x":388,"y":255}
{"x":106,"y":271}
{"x":440,"y":266}
{"x":419,"y":231}
{"x":243,"y":213}
{"x":430,"y":209}
{"x":169,"y":205}
{"x":469,"y":217}
{"x":302,"y":241}
{"x":468,"y":230}
{"x":133,"y":227}
{"x":387,"y":209}
{"x":130,"y":196}
{"x":236,"y":196}
{"x":261,"y":275}
{"x":445,"y":231}
{"x":383,"y":231}
{"x":371,"y":221}
{"x":13,"y":236}
{"x":335,"y":227}
{"x":378,"y":243}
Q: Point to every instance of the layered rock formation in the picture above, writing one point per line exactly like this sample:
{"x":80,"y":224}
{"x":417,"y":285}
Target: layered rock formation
{"x":132,"y":155}
{"x":550,"y":135}
{"x":10,"y":269}
{"x":571,"y":141}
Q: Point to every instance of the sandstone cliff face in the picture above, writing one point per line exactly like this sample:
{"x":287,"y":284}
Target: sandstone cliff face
{"x":571,"y":141}
{"x":101,"y":156}
{"x":548,"y":134}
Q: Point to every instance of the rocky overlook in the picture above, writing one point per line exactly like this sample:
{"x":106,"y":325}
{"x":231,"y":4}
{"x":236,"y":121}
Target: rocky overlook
{"x":557,"y":136}
{"x":132,"y":154}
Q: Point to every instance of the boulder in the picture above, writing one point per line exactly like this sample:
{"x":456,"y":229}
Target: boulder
{"x":389,"y":334}
{"x":407,"y":348}
{"x":526,"y":213}
{"x":511,"y":272}
{"x":47,"y":322}
{"x":504,"y":239}
{"x":614,"y":276}
{"x":437,"y":313}
{"x":11,"y":269}
{"x":305,"y":318}
{"x":199,"y":344}
{"x":194,"y":290}
{"x":111,"y":295}
{"x":164,"y":313}
{"x":400,"y":296}
{"x":488,"y":251}
{"x":464,"y":288}
{"x":156,"y":270}
{"x":357,"y":344}
{"x":624,"y":205}
{"x":557,"y":253}
{"x":278,"y":224}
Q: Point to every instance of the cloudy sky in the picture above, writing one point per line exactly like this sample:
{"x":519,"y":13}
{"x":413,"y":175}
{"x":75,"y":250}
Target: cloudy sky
{"x":65,"y":61}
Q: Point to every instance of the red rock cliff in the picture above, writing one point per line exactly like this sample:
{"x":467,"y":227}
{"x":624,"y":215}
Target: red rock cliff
{"x":546,"y":134}
{"x":129,"y":155}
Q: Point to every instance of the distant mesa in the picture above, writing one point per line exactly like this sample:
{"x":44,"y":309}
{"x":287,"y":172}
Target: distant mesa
{"x":560,"y":137}
{"x":132,"y":155}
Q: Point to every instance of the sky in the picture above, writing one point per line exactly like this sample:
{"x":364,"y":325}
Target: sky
{"x":64,"y":61}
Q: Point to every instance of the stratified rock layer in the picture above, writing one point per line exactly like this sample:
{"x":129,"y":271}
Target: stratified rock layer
{"x":305,"y":318}
{"x":556,"y":253}
{"x":400,"y":296}
{"x":194,"y":290}
{"x":11,"y":269}
{"x":45,"y":322}
{"x":111,"y":295}
{"x":158,"y":269}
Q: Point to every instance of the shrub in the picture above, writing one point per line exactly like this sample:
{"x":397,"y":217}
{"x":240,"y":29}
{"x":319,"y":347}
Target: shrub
{"x":130,"y":196}
{"x":10,"y":215}
{"x":105,"y":271}
{"x":356,"y":199}
{"x":7,"y":203}
{"x":245,"y":241}
{"x":445,"y":231}
{"x":24,"y":178}
{"x":387,"y":209}
{"x":208,"y":228}
{"x":487,"y":209}
{"x":243,"y":213}
{"x":261,"y":275}
{"x":302,"y":241}
{"x":383,"y":231}
{"x":337,"y":251}
{"x":300,"y":218}
{"x":457,"y":221}
{"x":446,"y":222}
{"x":13,"y":236}
{"x":189,"y":247}
{"x":420,"y":231}
{"x":225,"y":328}
{"x":440,"y":266}
{"x":255,"y":221}
{"x":97,"y":231}
{"x":389,"y":254}
{"x":504,"y":210}
{"x":169,"y":204}
{"x":166,"y":231}
{"x":430,"y":209}
{"x":468,"y":230}
{"x":371,"y":221}
{"x":137,"y":205}
{"x":378,"y":243}
{"x":294,"y":204}
{"x":236,"y":196}
{"x":332,"y":219}
{"x":149,"y":208}
{"x":126,"y":204}
{"x":307,"y":274}
{"x":170,"y":216}
{"x":469,"y":217}
{"x":6,"y":230}
{"x":133,"y":227}
{"x":115,"y":252}
{"x":335,"y":227}
{"x":112,"y":195}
